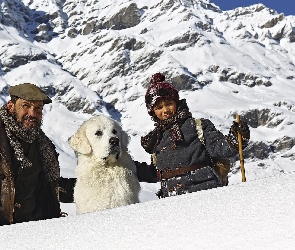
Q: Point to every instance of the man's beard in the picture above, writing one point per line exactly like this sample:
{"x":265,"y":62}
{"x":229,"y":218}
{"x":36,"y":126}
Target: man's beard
{"x":21,"y":120}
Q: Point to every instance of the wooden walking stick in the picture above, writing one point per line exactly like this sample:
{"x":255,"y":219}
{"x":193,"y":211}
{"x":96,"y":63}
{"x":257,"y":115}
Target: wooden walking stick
{"x":241,"y":152}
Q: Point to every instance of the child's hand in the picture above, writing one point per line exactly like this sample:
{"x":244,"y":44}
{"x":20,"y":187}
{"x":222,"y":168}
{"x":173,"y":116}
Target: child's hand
{"x":236,"y":128}
{"x":241,"y":128}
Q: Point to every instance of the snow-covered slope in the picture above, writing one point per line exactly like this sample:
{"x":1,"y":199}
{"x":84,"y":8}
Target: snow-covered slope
{"x":98,"y":56}
{"x":253,"y":215}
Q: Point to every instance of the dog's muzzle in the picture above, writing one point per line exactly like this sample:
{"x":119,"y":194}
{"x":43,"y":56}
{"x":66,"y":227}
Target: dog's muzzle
{"x":115,"y":146}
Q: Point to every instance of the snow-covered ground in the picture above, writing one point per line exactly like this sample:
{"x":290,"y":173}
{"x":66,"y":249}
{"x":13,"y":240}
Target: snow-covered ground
{"x":255,"y":215}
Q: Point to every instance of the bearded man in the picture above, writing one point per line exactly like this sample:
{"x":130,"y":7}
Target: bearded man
{"x":29,"y":167}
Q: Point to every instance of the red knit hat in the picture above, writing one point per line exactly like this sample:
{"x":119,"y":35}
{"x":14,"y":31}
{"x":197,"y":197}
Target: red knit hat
{"x":158,"y":90}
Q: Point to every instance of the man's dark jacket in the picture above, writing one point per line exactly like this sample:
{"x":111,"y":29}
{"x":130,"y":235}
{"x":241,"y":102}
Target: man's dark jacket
{"x":26,"y":195}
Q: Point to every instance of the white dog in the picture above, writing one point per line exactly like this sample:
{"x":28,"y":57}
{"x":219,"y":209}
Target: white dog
{"x":106,"y":174}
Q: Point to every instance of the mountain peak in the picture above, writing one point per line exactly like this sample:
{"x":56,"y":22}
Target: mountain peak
{"x":98,"y":56}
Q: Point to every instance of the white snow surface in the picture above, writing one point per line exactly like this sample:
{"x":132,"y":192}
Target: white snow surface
{"x":257,"y":214}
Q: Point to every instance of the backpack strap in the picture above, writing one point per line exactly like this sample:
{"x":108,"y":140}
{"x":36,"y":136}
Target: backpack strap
{"x":154,"y":159}
{"x":200,"y":133}
{"x":199,"y":130}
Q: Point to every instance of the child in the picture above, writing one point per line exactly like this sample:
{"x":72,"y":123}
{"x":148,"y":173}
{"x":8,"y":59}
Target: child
{"x":184,"y":162}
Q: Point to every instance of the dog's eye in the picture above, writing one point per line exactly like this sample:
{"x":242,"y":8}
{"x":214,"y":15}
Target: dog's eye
{"x":98,"y":133}
{"x":114,"y":131}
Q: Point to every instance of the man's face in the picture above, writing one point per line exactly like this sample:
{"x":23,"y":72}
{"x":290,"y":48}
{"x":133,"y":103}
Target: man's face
{"x":28,"y":113}
{"x":165,"y":109}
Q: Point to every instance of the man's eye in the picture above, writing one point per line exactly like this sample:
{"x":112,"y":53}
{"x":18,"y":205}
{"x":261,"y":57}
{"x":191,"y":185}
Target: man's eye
{"x":26,"y":106}
{"x":98,"y":133}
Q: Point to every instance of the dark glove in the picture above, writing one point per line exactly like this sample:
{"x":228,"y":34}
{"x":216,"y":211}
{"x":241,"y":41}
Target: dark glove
{"x":66,"y":189}
{"x":241,"y":128}
{"x":145,"y":172}
{"x":244,"y":131}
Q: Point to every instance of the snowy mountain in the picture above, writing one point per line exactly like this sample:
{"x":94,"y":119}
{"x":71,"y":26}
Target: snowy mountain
{"x":96,"y":57}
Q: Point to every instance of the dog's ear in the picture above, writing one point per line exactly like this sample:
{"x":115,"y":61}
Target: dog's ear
{"x":79,"y":142}
{"x":125,"y":140}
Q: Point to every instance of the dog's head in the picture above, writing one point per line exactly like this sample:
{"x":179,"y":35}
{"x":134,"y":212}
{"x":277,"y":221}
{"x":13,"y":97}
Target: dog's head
{"x":101,"y":137}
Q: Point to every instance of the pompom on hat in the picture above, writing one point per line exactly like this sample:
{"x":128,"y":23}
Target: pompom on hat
{"x":158,"y":90}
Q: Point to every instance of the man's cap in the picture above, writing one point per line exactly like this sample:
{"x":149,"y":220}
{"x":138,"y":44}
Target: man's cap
{"x":29,"y":92}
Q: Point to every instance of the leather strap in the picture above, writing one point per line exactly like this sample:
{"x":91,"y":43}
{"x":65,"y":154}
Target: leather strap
{"x":168,"y":173}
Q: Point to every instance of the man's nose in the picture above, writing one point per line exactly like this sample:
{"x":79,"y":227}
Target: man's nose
{"x":32,"y":111}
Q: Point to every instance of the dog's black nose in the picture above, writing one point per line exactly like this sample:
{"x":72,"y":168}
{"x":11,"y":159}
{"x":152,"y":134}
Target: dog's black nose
{"x":114,"y":141}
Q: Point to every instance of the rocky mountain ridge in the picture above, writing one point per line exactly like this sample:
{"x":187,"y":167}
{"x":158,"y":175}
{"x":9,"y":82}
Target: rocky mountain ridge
{"x":98,"y":56}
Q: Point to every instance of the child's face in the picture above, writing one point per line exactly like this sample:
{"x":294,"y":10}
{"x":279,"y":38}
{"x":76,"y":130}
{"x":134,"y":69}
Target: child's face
{"x":165,"y":109}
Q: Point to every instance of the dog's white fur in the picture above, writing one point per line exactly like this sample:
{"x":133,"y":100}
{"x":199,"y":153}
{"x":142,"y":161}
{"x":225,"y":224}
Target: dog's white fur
{"x":105,"y":179}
